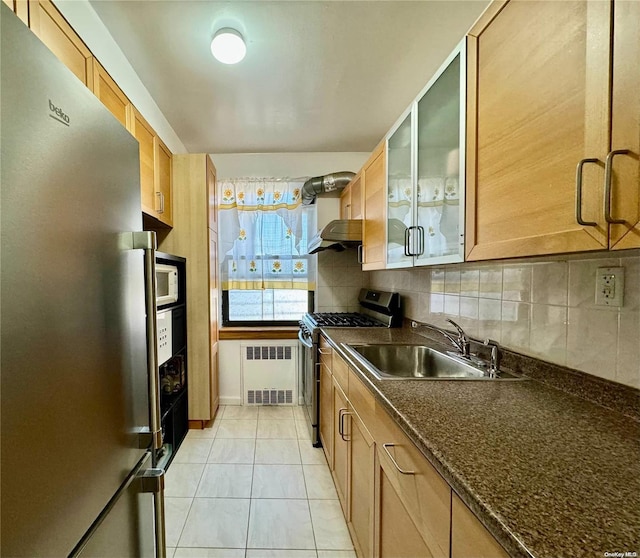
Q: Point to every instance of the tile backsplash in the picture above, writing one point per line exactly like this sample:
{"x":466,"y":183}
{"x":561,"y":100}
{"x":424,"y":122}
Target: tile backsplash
{"x":545,"y":309}
{"x":340,"y":278}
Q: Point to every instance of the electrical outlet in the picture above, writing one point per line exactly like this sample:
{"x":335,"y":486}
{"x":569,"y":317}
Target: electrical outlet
{"x":609,"y":286}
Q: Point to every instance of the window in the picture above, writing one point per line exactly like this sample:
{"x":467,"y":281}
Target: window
{"x":278,"y":306}
{"x":267,"y":275}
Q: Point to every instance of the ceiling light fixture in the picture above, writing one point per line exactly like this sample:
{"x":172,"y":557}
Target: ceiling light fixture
{"x":228,"y":46}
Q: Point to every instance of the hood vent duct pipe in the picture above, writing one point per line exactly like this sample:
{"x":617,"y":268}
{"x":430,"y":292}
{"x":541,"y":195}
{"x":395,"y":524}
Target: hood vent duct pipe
{"x":327,"y":183}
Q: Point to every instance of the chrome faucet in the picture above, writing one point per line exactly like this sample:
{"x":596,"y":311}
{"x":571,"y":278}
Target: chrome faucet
{"x":494,"y":363}
{"x":461,"y":342}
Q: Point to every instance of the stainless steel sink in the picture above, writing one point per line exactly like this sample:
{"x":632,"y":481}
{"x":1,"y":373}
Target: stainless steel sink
{"x":417,"y":362}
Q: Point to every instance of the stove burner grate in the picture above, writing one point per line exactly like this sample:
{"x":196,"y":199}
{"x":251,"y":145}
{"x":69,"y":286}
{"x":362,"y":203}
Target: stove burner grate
{"x":344,"y":319}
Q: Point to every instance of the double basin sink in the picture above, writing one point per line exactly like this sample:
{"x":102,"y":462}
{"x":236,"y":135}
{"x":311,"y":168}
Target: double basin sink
{"x":418,"y":362}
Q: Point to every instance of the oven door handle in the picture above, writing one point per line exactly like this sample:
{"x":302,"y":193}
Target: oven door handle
{"x":307,"y":342}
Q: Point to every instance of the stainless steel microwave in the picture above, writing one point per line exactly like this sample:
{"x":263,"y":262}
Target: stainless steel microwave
{"x":166,"y":284}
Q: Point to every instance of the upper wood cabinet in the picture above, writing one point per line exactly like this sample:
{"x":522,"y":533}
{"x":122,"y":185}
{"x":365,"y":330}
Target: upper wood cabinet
{"x":155,"y":157}
{"x":163,"y":182}
{"x":110,"y":94}
{"x":541,"y":128}
{"x":155,"y":170}
{"x":425,"y":172}
{"x":193,"y":238}
{"x":345,"y":202}
{"x":625,"y":126}
{"x":468,"y":535}
{"x":145,"y":135}
{"x":373,"y":227}
{"x":351,"y":199}
{"x":20,"y":8}
{"x":54,"y":31}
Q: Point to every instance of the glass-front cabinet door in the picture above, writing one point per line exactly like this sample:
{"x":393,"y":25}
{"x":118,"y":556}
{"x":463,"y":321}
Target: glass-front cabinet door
{"x":440,"y":165}
{"x":400,"y":191}
{"x":425,"y":172}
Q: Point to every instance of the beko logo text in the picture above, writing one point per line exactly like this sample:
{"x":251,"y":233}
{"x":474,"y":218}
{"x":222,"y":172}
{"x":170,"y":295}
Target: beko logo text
{"x":58,"y":114}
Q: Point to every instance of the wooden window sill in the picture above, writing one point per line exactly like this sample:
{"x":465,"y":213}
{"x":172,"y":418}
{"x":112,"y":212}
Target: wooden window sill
{"x":274,"y":332}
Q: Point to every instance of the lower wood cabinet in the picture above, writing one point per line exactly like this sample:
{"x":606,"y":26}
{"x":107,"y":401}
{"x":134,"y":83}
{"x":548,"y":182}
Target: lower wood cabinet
{"x":469,"y":538}
{"x":394,"y":501}
{"x":397,"y":534}
{"x":361,"y":485}
{"x":326,"y":412}
{"x":424,"y":494}
{"x":340,"y":446}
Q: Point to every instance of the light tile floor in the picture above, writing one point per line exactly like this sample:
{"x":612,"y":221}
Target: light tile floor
{"x":253,"y":486}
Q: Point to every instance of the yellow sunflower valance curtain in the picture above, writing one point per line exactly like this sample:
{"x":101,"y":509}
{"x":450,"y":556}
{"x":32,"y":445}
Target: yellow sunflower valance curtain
{"x":263,"y":234}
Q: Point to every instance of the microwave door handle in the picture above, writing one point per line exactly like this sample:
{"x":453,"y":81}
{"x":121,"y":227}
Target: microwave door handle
{"x":147,"y":241}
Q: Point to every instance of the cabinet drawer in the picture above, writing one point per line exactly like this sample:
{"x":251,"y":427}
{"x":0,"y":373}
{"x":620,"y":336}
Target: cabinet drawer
{"x":362,"y":400}
{"x":326,"y":413}
{"x":424,"y":493}
{"x":326,"y":353}
{"x":340,"y":372}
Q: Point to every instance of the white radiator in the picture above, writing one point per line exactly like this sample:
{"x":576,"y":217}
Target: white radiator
{"x":269,"y":373}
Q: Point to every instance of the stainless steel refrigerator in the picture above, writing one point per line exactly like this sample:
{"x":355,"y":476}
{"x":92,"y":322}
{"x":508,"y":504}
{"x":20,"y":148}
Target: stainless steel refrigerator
{"x":79,"y":399}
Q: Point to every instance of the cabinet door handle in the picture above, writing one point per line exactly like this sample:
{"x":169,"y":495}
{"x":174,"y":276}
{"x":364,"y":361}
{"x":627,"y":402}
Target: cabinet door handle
{"x":403,"y":471}
{"x":340,"y":411}
{"x":421,"y":240}
{"x":579,"y":168}
{"x":360,"y":253}
{"x":341,"y":414}
{"x":406,"y":242}
{"x":161,"y":200}
{"x":607,"y":186}
{"x":324,"y":351}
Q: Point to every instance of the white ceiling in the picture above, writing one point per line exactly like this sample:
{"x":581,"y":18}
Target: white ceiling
{"x":318,"y":76}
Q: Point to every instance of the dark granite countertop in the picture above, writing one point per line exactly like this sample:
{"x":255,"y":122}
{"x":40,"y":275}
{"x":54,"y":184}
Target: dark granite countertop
{"x":548,"y":473}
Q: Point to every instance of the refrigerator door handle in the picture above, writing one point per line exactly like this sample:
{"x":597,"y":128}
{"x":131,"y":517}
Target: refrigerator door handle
{"x":152,"y":480}
{"x":145,"y":438}
{"x":146,"y":240}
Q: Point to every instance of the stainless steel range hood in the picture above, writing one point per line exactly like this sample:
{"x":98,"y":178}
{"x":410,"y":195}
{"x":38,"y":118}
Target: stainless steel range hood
{"x":337,"y":235}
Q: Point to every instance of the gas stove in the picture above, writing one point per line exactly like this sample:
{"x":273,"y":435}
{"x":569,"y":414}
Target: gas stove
{"x":343,"y":319}
{"x":377,"y":309}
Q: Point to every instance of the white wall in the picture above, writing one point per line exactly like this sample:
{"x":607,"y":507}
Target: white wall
{"x":286,"y":165}
{"x":84,"y":20}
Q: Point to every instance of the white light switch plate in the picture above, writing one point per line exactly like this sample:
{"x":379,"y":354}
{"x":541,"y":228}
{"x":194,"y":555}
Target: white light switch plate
{"x":609,"y":286}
